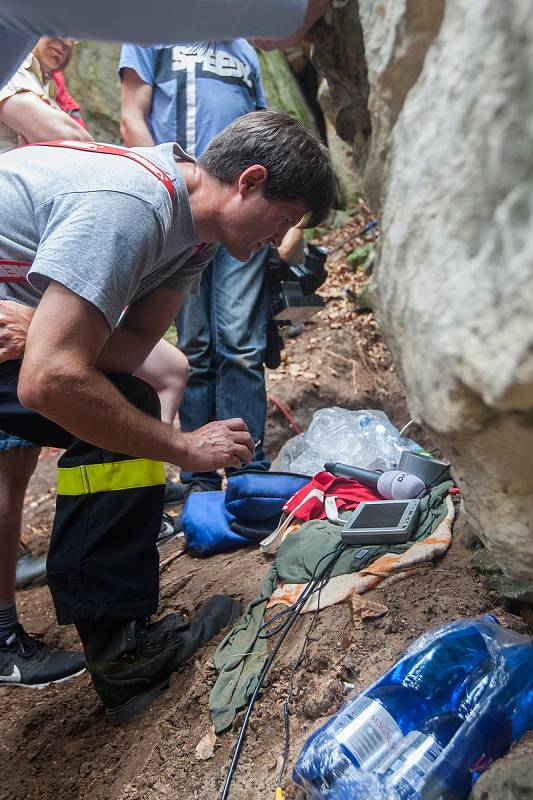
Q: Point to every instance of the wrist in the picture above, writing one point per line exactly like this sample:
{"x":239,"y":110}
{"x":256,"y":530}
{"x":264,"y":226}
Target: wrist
{"x":182,"y":449}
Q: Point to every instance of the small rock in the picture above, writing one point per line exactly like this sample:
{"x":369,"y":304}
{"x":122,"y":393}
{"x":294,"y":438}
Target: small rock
{"x":205,"y":748}
{"x":321,"y":698}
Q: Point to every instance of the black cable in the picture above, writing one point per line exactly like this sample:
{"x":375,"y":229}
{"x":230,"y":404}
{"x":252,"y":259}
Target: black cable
{"x":316,"y":584}
{"x":311,"y":588}
{"x":373,"y":224}
{"x":299,"y":660}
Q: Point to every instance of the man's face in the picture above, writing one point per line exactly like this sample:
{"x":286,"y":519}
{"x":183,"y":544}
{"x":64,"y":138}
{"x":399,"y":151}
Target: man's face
{"x":253,"y":222}
{"x":53,"y":53}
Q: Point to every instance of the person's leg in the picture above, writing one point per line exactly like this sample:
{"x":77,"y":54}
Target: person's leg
{"x":24,"y":661}
{"x":241,"y":314}
{"x":108,"y":515}
{"x":167,"y":370}
{"x":195,"y":339}
{"x":16,"y":468}
{"x":103,"y":565}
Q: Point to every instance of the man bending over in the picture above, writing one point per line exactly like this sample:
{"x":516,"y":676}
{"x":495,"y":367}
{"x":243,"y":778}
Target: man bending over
{"x":87,"y":232}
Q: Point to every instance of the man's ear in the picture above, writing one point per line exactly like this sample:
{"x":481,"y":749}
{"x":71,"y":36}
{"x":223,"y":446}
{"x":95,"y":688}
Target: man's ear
{"x":252,"y":179}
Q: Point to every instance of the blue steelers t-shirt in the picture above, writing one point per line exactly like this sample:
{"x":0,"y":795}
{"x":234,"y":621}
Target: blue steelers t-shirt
{"x":197,"y":89}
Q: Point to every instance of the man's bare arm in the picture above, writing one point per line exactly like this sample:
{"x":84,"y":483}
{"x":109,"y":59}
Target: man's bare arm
{"x":135,"y":104}
{"x":315,"y":10}
{"x":59,"y":380}
{"x":143,"y":324}
{"x":36,"y":121}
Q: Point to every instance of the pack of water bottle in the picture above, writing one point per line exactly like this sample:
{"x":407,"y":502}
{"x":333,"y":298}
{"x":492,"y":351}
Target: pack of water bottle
{"x":456,"y":701}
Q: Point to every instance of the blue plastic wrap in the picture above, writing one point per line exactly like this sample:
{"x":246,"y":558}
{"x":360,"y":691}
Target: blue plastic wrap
{"x":456,"y":700}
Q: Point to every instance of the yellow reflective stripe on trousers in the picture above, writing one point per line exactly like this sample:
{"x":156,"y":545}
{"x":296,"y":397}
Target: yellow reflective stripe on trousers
{"x":112,"y":477}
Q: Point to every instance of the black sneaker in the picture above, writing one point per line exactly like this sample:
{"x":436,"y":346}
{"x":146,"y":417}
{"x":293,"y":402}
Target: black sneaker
{"x":131,"y":662}
{"x":170,"y":526}
{"x":199,"y":486}
{"x":31,"y":570}
{"x":174,"y":492}
{"x":27,"y":661}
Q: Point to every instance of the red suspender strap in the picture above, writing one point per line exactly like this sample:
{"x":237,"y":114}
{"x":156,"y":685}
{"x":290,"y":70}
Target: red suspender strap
{"x":114,"y":150}
{"x":14,"y":271}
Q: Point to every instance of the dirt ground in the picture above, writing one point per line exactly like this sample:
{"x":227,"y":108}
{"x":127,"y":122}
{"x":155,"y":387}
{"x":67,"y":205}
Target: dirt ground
{"x":55,"y":743}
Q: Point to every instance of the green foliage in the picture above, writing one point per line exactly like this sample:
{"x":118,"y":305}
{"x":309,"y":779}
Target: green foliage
{"x":364,"y":298}
{"x":171,"y":335}
{"x":281,"y":89}
{"x":362,"y":257}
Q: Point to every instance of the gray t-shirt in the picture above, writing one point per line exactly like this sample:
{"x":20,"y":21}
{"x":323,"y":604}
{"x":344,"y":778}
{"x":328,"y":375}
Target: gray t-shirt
{"x":102,"y":225}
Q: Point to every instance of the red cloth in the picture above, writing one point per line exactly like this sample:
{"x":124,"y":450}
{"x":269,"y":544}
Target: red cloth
{"x":349,"y":494}
{"x":64,"y":99}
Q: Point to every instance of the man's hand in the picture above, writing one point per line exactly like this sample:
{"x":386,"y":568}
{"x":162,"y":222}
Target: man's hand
{"x":315,"y":10}
{"x":35,"y":120}
{"x":14,"y":323}
{"x":218,"y":444}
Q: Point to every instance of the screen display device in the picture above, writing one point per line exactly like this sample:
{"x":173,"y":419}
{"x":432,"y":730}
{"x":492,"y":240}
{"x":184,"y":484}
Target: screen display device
{"x":382,"y":522}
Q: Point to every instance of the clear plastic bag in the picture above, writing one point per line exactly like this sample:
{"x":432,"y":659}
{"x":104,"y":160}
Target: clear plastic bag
{"x":357,"y":438}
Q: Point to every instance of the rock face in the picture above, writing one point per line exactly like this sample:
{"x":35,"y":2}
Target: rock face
{"x":452,"y":123}
{"x":396,"y":38}
{"x":93,"y":80}
{"x":510,"y":780}
{"x":340,"y":55}
{"x":455,"y":273}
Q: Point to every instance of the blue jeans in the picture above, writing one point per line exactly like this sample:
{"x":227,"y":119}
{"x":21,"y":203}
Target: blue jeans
{"x":10,"y":442}
{"x":222,"y":331}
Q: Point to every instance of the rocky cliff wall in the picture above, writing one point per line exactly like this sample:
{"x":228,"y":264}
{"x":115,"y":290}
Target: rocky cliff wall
{"x":452,"y":125}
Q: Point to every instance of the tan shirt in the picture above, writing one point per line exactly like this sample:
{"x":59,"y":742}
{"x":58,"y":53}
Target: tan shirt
{"x":28,"y":78}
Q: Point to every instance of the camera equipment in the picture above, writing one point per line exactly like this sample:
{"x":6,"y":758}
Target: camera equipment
{"x":292,"y":286}
{"x":392,"y":484}
{"x":381,"y":522}
{"x":292,"y":295}
{"x":428,"y":469}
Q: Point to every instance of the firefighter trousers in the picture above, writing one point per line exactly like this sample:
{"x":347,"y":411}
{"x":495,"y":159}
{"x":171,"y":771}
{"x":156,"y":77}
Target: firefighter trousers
{"x":103,"y":559}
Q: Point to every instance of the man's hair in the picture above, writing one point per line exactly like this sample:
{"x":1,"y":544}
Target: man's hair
{"x":298,"y":164}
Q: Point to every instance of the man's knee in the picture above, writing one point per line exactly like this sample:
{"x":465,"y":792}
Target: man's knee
{"x":180,"y":374}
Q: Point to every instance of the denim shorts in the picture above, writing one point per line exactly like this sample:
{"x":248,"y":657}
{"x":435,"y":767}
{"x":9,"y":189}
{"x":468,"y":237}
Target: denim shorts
{"x":10,"y":442}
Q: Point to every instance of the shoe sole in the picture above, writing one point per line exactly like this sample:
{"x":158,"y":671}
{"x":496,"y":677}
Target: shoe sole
{"x":7,"y":685}
{"x":135,"y":706}
{"x":41,"y":580}
{"x":171,"y":538}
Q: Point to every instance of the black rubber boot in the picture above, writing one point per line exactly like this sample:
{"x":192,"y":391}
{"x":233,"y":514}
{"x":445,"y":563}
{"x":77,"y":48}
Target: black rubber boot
{"x":131,"y":662}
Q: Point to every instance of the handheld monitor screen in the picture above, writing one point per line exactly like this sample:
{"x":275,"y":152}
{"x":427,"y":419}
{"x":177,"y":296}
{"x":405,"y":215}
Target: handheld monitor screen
{"x":380,"y":515}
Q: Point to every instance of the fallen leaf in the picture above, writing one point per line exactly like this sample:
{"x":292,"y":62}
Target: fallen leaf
{"x":205,"y":748}
{"x":364,"y":608}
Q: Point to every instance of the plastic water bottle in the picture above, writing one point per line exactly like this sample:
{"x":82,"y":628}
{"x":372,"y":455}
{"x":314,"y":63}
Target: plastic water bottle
{"x":359,"y":737}
{"x":518,"y":694}
{"x":391,"y":744}
{"x":411,"y":772}
{"x":446,"y":661}
{"x":504,"y":682}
